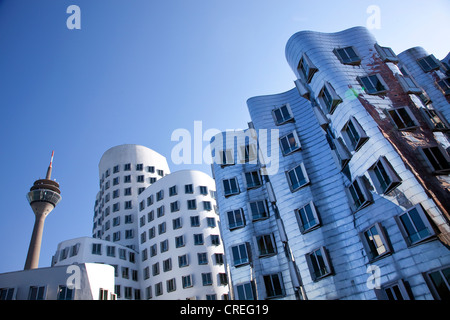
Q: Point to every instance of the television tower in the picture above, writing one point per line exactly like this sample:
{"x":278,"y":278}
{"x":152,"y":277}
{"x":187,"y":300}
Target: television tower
{"x":44,"y":195}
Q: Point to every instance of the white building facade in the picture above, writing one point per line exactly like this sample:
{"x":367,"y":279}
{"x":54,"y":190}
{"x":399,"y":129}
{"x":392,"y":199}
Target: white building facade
{"x":159,"y":230}
{"x":358,"y":208}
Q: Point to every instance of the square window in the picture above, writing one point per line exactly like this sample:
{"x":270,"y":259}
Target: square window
{"x":189,"y":188}
{"x":252,"y":179}
{"x":437,"y":159}
{"x":307,"y":218}
{"x":274,"y":285}
{"x":297,"y":177}
{"x":204,"y":190}
{"x":258,"y":210}
{"x":246,"y":291}
{"x":174,"y":206}
{"x":230,"y":186}
{"x":173,"y":191}
{"x":236,"y":219}
{"x":192,"y":204}
{"x":290,"y":143}
{"x":414,"y":225}
{"x":187,"y":281}
{"x":195,"y":221}
{"x":282,"y":114}
{"x":347,"y":55}
{"x":198,"y":239}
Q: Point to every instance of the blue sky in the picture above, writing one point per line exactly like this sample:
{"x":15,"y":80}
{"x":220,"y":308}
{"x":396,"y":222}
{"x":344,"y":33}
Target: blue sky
{"x":140,"y":69}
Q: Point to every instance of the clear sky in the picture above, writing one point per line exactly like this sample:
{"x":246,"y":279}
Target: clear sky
{"x":139,"y":69}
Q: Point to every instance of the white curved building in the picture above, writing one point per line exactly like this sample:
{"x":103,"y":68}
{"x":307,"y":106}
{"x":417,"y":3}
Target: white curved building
{"x":182,"y":255}
{"x":124,"y":172}
{"x":160,"y":231}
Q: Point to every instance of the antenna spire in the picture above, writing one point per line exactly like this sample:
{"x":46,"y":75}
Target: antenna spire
{"x":49,"y":170}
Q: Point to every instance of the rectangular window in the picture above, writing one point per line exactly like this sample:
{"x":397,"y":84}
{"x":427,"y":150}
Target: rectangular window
{"x":189,"y":188}
{"x":226,"y":157}
{"x":230,"y":186}
{"x":204,"y":190}
{"x":248,"y":153}
{"x":252,"y":179}
{"x":347,"y":55}
{"x":128,"y":204}
{"x":258,"y":210}
{"x":127,"y":167}
{"x":437,"y":159}
{"x":328,"y":98}
{"x":297,"y":177}
{"x":160,"y":211}
{"x":318,"y":263}
{"x":434,"y":119}
{"x":170,"y":285}
{"x":160,"y":195}
{"x":176,"y":223}
{"x":116,"y":169}
{"x":110,"y":251}
{"x":215,"y":240}
{"x":373,"y":84}
{"x":173,"y":191}
{"x":358,"y":194}
{"x":164,"y":246}
{"x":36,"y":293}
{"x":207,"y":205}
{"x":393,"y":291}
{"x":174,"y":206}
{"x":375,"y":242}
{"x":195,"y":221}
{"x":307,"y":217}
{"x":192,"y":204}
{"x":353,"y":134}
{"x":403,"y":118}
{"x":444,"y":85}
{"x":7,"y":293}
{"x":290,"y":143}
{"x":97,"y":248}
{"x":151,"y":169}
{"x":306,"y":68}
{"x":428,"y":63}
{"x":386,"y":54}
{"x":274,"y":285}
{"x":439,"y":283}
{"x":179,"y":241}
{"x":64,"y":293}
{"x":246,"y":291}
{"x":187,"y":281}
{"x":282,"y":114}
{"x":240,"y":255}
{"x":140,"y":178}
{"x":211,"y":222}
{"x":207,"y":279}
{"x":161,"y":228}
{"x":383,"y":176}
{"x":127,"y":179}
{"x":409,"y":85}
{"x":202,"y":258}
{"x":167,"y":265}
{"x":414,"y":225}
{"x":198,"y":239}
{"x":158,"y":289}
{"x":183,"y":261}
{"x":266,"y":245}
{"x":236,"y":219}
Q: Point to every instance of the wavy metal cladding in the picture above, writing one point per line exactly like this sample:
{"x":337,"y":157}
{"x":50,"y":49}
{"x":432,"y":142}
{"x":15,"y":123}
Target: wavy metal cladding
{"x":343,"y":112}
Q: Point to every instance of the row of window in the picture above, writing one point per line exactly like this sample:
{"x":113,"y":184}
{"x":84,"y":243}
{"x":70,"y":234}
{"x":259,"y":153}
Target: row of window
{"x":127,"y":167}
{"x":180,"y":241}
{"x":40,"y":293}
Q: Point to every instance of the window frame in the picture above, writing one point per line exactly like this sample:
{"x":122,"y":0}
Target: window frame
{"x":242,"y":248}
{"x":252,"y":179}
{"x":292,"y":147}
{"x":267,"y":239}
{"x":300,"y":221}
{"x":444,"y":168}
{"x":305,"y":176}
{"x":234,"y":213}
{"x":428,"y":67}
{"x":423,"y":218}
{"x":317,"y":275}
{"x":404,"y":122}
{"x":408,"y":84}
{"x":367,"y":196}
{"x":346,"y":59}
{"x":328,"y":98}
{"x":402,"y":290}
{"x":375,"y":172}
{"x":434,"y":119}
{"x":306,"y":74}
{"x":372,"y":250}
{"x":370,"y":79}
{"x":276,"y":292}
{"x":430,"y":283}
{"x":350,"y":141}
{"x":257,"y":204}
{"x":444,"y":86}
{"x":389,"y":56}
{"x":283,"y":119}
{"x":231,"y":190}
